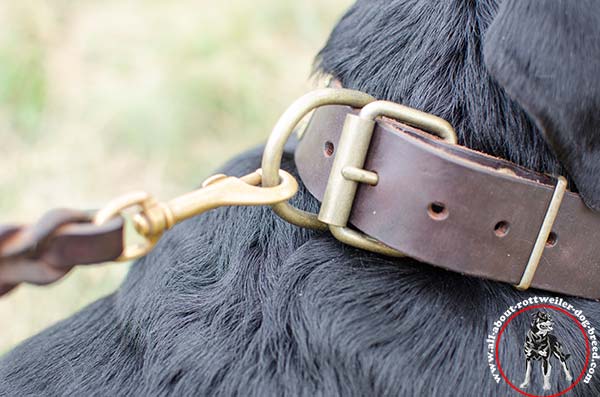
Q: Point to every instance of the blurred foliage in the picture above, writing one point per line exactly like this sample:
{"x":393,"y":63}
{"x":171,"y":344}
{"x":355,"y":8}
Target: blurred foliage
{"x":22,"y":80}
{"x":101,"y":97}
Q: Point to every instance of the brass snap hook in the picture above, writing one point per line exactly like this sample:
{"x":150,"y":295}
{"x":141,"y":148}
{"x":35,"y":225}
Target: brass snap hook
{"x":154,"y":217}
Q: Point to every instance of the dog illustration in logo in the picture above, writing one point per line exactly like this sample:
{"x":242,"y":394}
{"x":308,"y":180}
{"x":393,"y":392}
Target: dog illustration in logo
{"x":540,"y":344}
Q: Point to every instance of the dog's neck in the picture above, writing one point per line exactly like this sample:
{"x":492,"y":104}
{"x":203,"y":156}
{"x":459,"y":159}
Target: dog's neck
{"x":429,"y":56}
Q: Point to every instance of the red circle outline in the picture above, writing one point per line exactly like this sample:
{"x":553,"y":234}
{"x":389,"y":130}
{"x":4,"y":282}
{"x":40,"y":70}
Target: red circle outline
{"x":587,"y":349}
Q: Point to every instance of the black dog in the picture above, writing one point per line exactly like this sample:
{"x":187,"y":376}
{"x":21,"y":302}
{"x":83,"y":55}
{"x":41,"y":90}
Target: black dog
{"x":541,"y":345}
{"x":238,"y":302}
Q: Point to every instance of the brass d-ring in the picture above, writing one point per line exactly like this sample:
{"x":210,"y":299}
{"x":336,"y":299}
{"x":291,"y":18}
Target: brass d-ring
{"x":271,"y":161}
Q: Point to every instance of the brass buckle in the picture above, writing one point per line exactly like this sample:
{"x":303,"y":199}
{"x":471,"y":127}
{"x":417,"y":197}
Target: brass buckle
{"x":347,"y":169}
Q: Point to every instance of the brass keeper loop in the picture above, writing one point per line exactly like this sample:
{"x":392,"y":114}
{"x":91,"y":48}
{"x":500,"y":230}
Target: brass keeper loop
{"x":546,"y":228}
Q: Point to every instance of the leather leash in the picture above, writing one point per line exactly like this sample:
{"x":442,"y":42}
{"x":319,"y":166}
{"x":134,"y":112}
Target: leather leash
{"x":44,"y":252}
{"x":386,"y":184}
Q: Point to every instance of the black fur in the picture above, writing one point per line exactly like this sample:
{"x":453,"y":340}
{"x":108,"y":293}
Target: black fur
{"x":547,"y":55}
{"x":238,"y":302}
{"x":428,"y":54}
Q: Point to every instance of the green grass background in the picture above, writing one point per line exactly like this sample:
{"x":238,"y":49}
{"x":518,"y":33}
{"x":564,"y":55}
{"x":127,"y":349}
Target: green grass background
{"x":100,"y":97}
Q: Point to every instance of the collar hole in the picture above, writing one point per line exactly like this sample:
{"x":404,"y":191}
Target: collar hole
{"x":438,"y":211}
{"x":552,"y":240}
{"x":501,"y":229}
{"x":328,"y":149}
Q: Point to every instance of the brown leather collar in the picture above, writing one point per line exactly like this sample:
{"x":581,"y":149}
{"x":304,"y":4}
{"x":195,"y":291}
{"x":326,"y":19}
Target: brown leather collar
{"x":459,"y":209}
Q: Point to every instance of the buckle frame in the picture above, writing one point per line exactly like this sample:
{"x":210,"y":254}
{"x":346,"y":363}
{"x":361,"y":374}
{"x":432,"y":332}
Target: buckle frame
{"x":347,"y":170}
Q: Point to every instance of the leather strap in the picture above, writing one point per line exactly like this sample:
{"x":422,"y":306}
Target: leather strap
{"x":492,"y":209}
{"x":44,"y":252}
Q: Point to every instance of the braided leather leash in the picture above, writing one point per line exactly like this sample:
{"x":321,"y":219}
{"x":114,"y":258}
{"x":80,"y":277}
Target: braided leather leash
{"x":45,"y":251}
